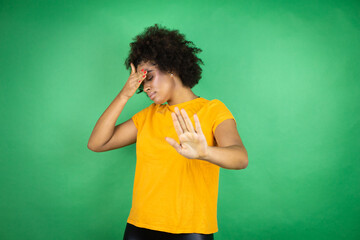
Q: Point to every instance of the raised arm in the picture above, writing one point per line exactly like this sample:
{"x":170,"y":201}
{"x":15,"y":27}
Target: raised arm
{"x":105,"y":135}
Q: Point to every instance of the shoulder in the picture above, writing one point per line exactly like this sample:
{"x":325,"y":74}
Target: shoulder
{"x":146,"y":110}
{"x":217,"y":112}
{"x":151,"y":106}
{"x":216,"y":104}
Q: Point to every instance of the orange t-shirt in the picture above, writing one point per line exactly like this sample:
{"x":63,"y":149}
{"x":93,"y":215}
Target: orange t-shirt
{"x":171,"y":192}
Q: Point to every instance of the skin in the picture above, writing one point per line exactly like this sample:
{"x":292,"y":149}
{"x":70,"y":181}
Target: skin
{"x":229,"y":153}
{"x":168,"y":88}
{"x":193,"y":143}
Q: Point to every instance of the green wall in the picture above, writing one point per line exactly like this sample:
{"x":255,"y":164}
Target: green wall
{"x":288,"y":71}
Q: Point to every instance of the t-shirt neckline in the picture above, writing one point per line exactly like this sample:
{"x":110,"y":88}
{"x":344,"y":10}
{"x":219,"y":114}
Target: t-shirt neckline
{"x":181,"y":105}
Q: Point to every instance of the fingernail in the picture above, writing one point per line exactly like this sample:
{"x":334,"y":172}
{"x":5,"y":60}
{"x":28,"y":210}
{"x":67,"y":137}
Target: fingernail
{"x":142,"y":70}
{"x":139,"y":80}
{"x":144,"y":76}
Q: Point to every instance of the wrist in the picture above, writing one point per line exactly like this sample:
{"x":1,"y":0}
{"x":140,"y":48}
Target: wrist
{"x":205,"y":155}
{"x":123,"y":97}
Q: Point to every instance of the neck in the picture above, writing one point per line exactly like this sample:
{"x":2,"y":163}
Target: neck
{"x":184,"y":95}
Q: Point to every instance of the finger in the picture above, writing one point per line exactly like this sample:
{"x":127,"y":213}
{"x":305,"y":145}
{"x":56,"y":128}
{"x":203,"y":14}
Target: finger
{"x":177,"y":126}
{"x":173,"y":143}
{"x":141,"y":76}
{"x":188,"y":122}
{"x":197,"y":124}
{"x":133,"y":70}
{"x":181,"y":120}
{"x":140,"y":81}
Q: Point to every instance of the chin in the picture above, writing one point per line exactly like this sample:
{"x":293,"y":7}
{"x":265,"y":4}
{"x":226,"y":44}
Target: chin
{"x":159,"y":101}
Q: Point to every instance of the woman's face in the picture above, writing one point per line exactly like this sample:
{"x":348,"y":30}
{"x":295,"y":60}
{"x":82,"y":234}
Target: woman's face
{"x":159,"y":86}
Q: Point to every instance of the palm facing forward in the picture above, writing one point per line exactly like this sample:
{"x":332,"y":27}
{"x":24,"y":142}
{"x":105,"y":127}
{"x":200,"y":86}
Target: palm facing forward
{"x":193,"y":143}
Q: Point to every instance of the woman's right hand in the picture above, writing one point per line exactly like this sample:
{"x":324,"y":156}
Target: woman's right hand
{"x":134,"y":81}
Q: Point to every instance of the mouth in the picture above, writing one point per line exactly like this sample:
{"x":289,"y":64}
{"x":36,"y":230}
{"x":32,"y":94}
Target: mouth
{"x":152,"y":95}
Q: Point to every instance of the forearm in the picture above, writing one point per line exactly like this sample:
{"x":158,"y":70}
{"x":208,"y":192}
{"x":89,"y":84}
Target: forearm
{"x":231,"y":157}
{"x":104,"y":127}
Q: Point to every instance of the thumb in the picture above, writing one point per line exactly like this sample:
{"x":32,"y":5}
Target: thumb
{"x":173,"y":143}
{"x":133,"y":70}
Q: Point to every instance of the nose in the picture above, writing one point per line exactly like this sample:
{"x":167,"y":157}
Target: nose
{"x":146,"y":86}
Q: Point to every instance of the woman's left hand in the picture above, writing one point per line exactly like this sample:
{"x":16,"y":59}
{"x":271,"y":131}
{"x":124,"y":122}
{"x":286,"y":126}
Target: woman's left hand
{"x":193,"y":143}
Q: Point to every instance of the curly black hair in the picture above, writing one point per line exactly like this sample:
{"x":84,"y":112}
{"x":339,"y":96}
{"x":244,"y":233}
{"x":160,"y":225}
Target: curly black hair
{"x":169,"y":50}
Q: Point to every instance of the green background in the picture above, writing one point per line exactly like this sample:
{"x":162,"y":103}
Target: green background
{"x":288,"y":71}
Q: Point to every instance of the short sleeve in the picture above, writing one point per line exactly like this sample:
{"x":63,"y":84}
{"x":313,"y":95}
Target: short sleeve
{"x":139,"y":117}
{"x":220,"y":113}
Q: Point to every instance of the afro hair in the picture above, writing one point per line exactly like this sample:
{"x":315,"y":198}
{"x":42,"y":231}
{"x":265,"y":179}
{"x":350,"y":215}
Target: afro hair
{"x":169,"y":50}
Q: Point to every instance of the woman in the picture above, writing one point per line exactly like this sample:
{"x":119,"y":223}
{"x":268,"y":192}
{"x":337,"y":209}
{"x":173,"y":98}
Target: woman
{"x":182,"y":140}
